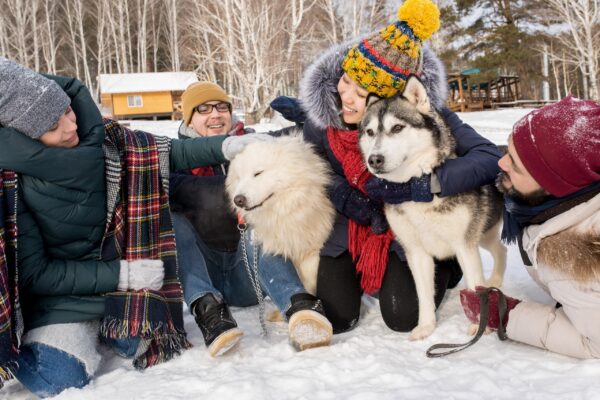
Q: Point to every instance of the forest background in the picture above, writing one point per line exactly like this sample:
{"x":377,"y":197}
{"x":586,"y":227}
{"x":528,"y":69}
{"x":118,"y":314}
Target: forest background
{"x":258,"y":49}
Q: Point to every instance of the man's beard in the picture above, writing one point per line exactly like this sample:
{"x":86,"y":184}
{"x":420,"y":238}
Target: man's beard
{"x":534,"y":198}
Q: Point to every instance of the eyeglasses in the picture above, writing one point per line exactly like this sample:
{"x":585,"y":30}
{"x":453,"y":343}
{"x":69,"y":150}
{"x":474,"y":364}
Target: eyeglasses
{"x":207,"y":108}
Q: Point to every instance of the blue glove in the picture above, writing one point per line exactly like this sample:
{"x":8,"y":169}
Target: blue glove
{"x":416,"y":189}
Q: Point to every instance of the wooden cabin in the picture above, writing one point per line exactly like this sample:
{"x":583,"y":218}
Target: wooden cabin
{"x":144,"y":95}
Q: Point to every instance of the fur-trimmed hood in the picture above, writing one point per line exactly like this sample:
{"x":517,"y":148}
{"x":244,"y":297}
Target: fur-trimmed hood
{"x":318,"y":87}
{"x":569,"y":243}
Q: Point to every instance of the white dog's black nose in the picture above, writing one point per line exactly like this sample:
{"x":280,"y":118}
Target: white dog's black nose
{"x":376,"y":161}
{"x":240,"y":200}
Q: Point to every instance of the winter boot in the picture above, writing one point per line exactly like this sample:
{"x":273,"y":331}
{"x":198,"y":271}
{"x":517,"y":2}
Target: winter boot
{"x":218,"y":327}
{"x":308,"y":327}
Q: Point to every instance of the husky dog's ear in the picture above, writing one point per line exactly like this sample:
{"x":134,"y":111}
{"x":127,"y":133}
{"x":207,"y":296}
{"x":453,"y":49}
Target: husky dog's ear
{"x":372,"y":98}
{"x":415,"y":93}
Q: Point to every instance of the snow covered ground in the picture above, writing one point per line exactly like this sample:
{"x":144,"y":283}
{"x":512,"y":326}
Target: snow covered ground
{"x":370,"y":362}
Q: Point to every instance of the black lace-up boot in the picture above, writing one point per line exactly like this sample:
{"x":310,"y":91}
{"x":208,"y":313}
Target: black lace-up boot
{"x":218,"y":327}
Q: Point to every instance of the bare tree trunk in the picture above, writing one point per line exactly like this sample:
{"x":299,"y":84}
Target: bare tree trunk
{"x":50,"y":42}
{"x":556,"y":77}
{"x":4,"y":37}
{"x":329,"y":8}
{"x":35,"y":32}
{"x":80,"y":16}
{"x":121,"y":37}
{"x":155,"y":40}
{"x":584,"y":81}
{"x":173,"y":34}
{"x":20,"y":12}
{"x":72,"y":34}
{"x":582,"y":17}
{"x":142,"y":54}
{"x":128,"y":42}
{"x":101,"y":52}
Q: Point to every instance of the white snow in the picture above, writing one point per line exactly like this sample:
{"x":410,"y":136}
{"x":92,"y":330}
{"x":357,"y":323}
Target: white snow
{"x":370,"y":362}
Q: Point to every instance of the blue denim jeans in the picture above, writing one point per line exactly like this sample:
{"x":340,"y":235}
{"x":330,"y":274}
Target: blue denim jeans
{"x":203,"y":270}
{"x":46,"y":371}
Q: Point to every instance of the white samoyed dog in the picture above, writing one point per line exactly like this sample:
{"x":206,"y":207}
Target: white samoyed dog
{"x":279,"y":188}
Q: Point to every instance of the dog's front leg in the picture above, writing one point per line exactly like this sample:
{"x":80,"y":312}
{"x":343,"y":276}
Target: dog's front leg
{"x":470,"y":263}
{"x":423,"y":270}
{"x":308,"y":270}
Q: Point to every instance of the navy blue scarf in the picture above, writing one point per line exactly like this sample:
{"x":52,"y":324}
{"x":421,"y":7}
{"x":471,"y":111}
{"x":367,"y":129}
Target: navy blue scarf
{"x":518,"y":215}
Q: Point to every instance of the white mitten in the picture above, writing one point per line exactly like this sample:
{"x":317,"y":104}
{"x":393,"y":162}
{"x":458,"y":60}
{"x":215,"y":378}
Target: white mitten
{"x":146,"y":273}
{"x":123,"y":276}
{"x":234,"y":145}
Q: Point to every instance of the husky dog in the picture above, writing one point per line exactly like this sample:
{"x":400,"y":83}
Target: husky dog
{"x":404,"y":137}
{"x":280,"y":190}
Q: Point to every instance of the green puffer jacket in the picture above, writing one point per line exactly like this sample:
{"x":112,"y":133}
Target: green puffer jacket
{"x":62,"y":214}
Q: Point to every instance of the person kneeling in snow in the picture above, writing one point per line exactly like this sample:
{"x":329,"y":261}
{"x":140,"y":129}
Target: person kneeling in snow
{"x":86,"y":240}
{"x":209,"y":249}
{"x":551,"y":180}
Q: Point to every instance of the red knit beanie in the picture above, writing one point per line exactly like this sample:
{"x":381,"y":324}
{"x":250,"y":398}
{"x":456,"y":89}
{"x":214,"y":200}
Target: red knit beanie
{"x":559,"y":145}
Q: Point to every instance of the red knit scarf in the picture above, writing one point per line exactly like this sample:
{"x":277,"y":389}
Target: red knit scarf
{"x":370,"y":249}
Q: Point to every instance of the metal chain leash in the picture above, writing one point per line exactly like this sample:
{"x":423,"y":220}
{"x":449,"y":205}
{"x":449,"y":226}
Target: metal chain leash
{"x":253,"y":275}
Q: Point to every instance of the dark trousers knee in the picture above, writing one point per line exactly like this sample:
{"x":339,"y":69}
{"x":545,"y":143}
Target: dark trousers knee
{"x":338,"y":287}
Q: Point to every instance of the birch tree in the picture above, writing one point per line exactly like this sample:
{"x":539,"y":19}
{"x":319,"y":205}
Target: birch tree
{"x":582,"y":17}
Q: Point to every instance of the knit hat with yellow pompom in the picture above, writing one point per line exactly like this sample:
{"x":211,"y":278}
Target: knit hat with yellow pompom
{"x":382,"y":63}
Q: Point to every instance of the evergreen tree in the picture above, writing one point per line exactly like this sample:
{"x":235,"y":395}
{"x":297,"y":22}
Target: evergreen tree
{"x":500,"y":37}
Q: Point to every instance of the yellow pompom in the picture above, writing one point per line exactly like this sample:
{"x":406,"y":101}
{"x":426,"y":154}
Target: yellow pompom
{"x":422,"y":16}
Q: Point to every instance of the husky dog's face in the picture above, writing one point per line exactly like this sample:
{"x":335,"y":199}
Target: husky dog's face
{"x":394,"y":132}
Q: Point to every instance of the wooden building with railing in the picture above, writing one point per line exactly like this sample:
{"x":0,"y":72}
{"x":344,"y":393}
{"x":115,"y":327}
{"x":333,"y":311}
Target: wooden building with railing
{"x":466,"y":93}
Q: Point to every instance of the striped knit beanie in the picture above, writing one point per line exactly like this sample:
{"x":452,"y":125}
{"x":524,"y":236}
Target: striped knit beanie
{"x":382,"y":63}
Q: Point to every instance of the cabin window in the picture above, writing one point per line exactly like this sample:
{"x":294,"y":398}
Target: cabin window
{"x":134,"y":101}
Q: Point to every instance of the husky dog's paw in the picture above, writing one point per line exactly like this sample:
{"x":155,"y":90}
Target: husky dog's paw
{"x":421,"y":332}
{"x":494,"y":281}
{"x":472,"y":329}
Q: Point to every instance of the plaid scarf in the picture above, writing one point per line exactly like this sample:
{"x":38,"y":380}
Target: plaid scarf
{"x":370,"y":249}
{"x":11,"y":321}
{"x":142,"y":229}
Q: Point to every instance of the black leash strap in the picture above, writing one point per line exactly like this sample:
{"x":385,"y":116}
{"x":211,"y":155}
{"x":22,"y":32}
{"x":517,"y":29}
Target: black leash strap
{"x":436,"y":350}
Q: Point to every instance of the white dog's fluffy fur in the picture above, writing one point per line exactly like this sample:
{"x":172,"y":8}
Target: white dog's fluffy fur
{"x":283,"y":184}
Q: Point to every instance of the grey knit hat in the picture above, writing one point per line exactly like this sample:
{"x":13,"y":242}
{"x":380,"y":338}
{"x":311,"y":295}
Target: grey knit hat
{"x":29,"y":102}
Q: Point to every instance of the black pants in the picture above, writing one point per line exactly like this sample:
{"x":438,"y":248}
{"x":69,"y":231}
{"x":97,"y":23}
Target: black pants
{"x":338,"y":286}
